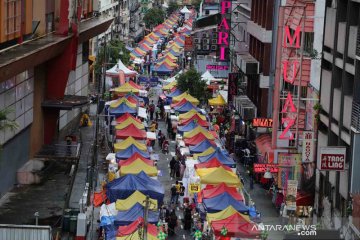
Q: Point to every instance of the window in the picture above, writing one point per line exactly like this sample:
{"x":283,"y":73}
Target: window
{"x":207,"y":12}
{"x":49,"y":22}
{"x":308,"y":43}
{"x":12,"y":16}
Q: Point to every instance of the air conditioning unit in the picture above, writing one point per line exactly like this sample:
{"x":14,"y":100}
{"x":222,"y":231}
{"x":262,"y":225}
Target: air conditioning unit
{"x":206,"y":41}
{"x":206,"y":47}
{"x":197,"y":40}
{"x":205,"y":35}
{"x":213,"y":47}
{"x":214,"y":41}
{"x":198,"y":46}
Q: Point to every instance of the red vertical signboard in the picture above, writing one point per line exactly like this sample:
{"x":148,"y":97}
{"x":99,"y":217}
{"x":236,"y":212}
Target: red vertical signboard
{"x":188,"y":47}
{"x":233,"y":85}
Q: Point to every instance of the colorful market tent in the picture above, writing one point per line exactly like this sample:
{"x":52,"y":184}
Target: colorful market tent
{"x":188,"y":127}
{"x":163,"y":69}
{"x":123,"y":187}
{"x":211,"y":191}
{"x":198,"y":130}
{"x":127,"y":143}
{"x":178,"y":104}
{"x":125,"y":117}
{"x":227,"y":212}
{"x":129,"y":121}
{"x":136,"y":167}
{"x":130,"y":151}
{"x":130,"y":131}
{"x":220,"y":175}
{"x":238,"y":226}
{"x":197,"y":118}
{"x":134,"y":157}
{"x":219,"y":154}
{"x":175,"y":93}
{"x":218,"y":101}
{"x":188,"y":97}
{"x":222,"y":201}
{"x":128,"y":216}
{"x":126,"y":88}
{"x":213,"y":163}
{"x":170,"y":85}
{"x":195,"y":139}
{"x":122,"y":109}
{"x":114,"y":71}
{"x":208,"y":77}
{"x":136,"y":197}
{"x":186,"y":107}
{"x":120,"y":101}
{"x":190,"y":114}
{"x":201,"y":147}
{"x":204,"y":171}
{"x":208,"y":151}
{"x":126,"y":232}
{"x":135,"y":86}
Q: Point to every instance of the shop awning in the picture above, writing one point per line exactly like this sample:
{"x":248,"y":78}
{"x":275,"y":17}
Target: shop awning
{"x":263,"y":144}
{"x":67,"y":103}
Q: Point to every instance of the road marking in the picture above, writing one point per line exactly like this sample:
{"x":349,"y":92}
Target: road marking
{"x":177,"y":208}
{"x":181,"y":226}
{"x":184,"y":236}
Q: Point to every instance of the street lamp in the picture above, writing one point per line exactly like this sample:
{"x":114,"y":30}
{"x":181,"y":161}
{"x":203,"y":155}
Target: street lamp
{"x":268,"y":174}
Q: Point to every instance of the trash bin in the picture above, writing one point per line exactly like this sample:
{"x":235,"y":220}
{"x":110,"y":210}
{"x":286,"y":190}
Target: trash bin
{"x":66,"y":220}
{"x":73,"y":223}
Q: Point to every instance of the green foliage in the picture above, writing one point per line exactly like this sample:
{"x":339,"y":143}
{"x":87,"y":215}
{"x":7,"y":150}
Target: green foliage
{"x":153,"y":17}
{"x":112,"y":51}
{"x":173,"y":6}
{"x":5,"y":122}
{"x":191,"y":82}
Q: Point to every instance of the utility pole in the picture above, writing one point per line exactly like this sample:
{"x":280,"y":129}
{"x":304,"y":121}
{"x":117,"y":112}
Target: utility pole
{"x":146,"y":212}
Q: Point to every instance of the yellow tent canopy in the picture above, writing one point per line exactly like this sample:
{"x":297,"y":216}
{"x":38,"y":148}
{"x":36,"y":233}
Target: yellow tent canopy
{"x":227,"y":212}
{"x":218,"y":101}
{"x":136,"y":167}
{"x":190,"y":114}
{"x":168,"y":62}
{"x":127,"y":143}
{"x":170,"y":85}
{"x":120,"y":101}
{"x":204,"y":171}
{"x":187,"y":96}
{"x":208,"y":151}
{"x":126,"y":88}
{"x":220,"y":175}
{"x":197,"y":130}
{"x":129,"y":121}
{"x":170,"y":55}
{"x":136,"y":197}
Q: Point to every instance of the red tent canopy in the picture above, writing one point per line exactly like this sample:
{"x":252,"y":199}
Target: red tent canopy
{"x":130,"y":131}
{"x":237,"y":226}
{"x":129,"y":229}
{"x":133,"y":158}
{"x":135,"y":85}
{"x":99,"y":198}
{"x":132,"y":99}
{"x":196,"y":139}
{"x":200,"y":121}
{"x":211,"y":191}
{"x":214,"y":162}
{"x":126,"y":116}
{"x":178,"y":104}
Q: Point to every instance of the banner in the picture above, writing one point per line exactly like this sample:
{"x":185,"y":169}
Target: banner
{"x":224,"y":30}
{"x":263,"y":167}
{"x":188,"y":46}
{"x":233,"y":85}
{"x":289,"y":168}
{"x":194,"y":188}
{"x":308,"y":147}
{"x":332,"y":158}
{"x":291,"y":191}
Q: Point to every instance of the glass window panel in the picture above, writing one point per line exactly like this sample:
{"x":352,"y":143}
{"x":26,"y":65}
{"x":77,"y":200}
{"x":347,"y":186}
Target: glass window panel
{"x":20,"y":91}
{"x":9,"y":97}
{"x":20,"y":107}
{"x":28,"y":117}
{"x":29,"y":86}
{"x":29,"y":101}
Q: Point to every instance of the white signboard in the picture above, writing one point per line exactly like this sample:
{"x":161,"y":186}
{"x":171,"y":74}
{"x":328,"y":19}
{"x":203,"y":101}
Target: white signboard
{"x":308,"y":147}
{"x":332,"y":158}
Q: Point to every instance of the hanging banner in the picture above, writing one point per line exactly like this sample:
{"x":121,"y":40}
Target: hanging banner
{"x":233,"y":85}
{"x":308,"y":147}
{"x":194,"y":187}
{"x":291,"y":191}
{"x":188,"y":46}
{"x":289,"y":168}
{"x":332,"y":158}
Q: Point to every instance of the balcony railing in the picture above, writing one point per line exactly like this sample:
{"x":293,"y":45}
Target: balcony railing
{"x":358,"y":42}
{"x":355,"y":116}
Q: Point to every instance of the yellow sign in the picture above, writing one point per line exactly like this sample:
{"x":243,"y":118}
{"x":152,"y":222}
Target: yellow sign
{"x":194,"y":187}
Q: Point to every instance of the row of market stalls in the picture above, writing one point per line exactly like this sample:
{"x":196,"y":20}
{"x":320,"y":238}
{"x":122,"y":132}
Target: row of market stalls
{"x":210,"y":177}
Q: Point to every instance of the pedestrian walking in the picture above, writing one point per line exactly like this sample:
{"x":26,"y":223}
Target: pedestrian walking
{"x":187,"y":219}
{"x":160,"y":138}
{"x":177,"y":185}
{"x":172,"y":223}
{"x":181,"y":193}
{"x":173,"y":194}
{"x":172,"y":167}
{"x":164,"y":214}
{"x":177,"y":169}
{"x":152,"y":110}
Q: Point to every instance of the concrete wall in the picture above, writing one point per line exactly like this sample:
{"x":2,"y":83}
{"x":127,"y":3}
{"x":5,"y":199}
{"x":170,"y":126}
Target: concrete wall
{"x":12,"y":156}
{"x":39,"y":15}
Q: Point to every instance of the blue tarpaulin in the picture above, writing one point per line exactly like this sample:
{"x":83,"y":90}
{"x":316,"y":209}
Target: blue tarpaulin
{"x":131,"y":215}
{"x":201,"y":147}
{"x":127,"y":153}
{"x":222,"y":201}
{"x":186,"y":108}
{"x":221,"y":155}
{"x":123,"y":187}
{"x":121,"y":109}
{"x":190,"y":126}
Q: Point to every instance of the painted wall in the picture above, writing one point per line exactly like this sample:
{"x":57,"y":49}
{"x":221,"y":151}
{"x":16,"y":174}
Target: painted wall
{"x":39,"y":15}
{"x":13,"y":155}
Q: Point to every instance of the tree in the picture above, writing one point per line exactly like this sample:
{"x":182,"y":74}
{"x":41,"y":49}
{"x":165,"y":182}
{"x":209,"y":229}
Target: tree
{"x":173,"y":6}
{"x":5,"y":122}
{"x":154,"y":17}
{"x":113,"y":50}
{"x":191,"y":82}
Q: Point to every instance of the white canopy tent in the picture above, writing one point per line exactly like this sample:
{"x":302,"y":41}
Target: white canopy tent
{"x":169,"y":80}
{"x":114,"y":71}
{"x":206,"y":76}
{"x":186,"y":12}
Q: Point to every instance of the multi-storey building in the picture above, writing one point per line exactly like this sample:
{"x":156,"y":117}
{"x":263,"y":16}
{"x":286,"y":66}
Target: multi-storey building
{"x":43,"y":80}
{"x":136,"y":27}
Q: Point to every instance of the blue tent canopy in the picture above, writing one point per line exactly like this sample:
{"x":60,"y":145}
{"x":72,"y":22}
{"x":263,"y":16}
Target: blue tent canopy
{"x":176,"y":54}
{"x":201,"y":147}
{"x":136,"y":54}
{"x":186,"y":107}
{"x":222,"y":201}
{"x":175,"y":93}
{"x":131,"y":215}
{"x":134,"y":96}
{"x":163,"y":68}
{"x":127,"y":153}
{"x":123,"y":187}
{"x":122,"y":109}
{"x":223,"y":157}
{"x":190,"y":126}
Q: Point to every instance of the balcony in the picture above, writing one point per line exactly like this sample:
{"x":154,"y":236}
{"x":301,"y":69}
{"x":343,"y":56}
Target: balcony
{"x":325,"y":88}
{"x":355,"y":117}
{"x":248,"y":64}
{"x":259,"y":32}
